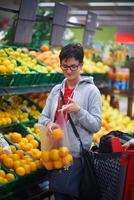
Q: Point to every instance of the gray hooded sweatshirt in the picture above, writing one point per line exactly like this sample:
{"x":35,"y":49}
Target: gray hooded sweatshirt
{"x":87,"y":121}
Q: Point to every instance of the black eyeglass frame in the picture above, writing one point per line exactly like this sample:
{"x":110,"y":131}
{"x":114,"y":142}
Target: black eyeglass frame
{"x":71,"y":67}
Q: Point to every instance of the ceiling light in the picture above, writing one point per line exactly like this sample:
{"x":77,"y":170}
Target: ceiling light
{"x":101,"y":4}
{"x":125,"y":3}
{"x":78,"y":12}
{"x":51,"y":4}
{"x":111,"y":4}
{"x":73,"y":19}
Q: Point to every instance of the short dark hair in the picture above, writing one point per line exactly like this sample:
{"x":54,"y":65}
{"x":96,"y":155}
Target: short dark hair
{"x":72,"y":51}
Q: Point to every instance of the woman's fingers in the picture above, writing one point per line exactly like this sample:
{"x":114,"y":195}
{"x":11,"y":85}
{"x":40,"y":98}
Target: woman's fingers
{"x":71,"y":100}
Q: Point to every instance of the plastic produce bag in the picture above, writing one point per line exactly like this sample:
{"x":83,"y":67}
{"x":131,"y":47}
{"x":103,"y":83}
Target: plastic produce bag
{"x":55,"y":146}
{"x":4,"y":145}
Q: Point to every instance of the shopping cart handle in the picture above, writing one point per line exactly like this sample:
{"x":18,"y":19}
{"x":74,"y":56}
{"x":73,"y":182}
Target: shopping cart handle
{"x":116,"y":145}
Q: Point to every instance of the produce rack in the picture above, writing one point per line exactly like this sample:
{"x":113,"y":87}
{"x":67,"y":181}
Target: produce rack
{"x":128,"y":93}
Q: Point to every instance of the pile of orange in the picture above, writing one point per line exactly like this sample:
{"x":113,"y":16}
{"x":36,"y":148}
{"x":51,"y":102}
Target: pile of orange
{"x":6,"y":177}
{"x":48,"y":57}
{"x":56,"y":158}
{"x":27,"y":144}
{"x":18,"y":161}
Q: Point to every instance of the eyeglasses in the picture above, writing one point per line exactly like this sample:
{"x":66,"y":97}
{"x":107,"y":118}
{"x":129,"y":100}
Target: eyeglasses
{"x":71,"y":67}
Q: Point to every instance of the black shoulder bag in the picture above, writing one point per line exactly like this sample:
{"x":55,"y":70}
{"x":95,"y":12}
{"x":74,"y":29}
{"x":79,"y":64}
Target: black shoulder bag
{"x":89,"y":188}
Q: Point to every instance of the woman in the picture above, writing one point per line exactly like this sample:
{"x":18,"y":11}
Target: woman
{"x":82,"y":102}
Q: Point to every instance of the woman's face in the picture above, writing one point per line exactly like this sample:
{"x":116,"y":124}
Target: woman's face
{"x":71,"y":68}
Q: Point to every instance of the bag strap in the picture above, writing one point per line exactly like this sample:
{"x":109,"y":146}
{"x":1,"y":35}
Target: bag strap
{"x":72,"y":123}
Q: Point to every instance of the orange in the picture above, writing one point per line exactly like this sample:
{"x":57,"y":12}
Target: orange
{"x":38,"y":164}
{"x":54,"y":154}
{"x":58,"y":164}
{"x":2,"y":173}
{"x":33,"y":166}
{"x":20,"y":171}
{"x":27,"y":168}
{"x":20,"y":153}
{"x":27,"y":158}
{"x":8,"y":162}
{"x":2,"y":157}
{"x":48,"y":165}
{"x":57,"y":134}
{"x":16,"y":164}
{"x":3,"y":180}
{"x":45,"y":156}
{"x":67,"y":160}
{"x":44,"y":47}
{"x":15,"y":156}
{"x":16,"y":137}
{"x":34,"y":143}
{"x":36,"y":154}
{"x":25,"y":140}
{"x":29,"y":137}
{"x":27,"y":147}
{"x":30,"y":152}
{"x":33,"y":53}
{"x":23,"y":162}
{"x":10,"y":176}
{"x":63,"y":151}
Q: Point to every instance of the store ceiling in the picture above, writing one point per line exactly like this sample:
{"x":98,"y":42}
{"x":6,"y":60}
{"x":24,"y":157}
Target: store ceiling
{"x":109,"y":13}
{"x":114,"y":13}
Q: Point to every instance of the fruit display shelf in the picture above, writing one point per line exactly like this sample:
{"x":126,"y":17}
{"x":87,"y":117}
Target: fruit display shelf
{"x":26,"y":89}
{"x":7,"y":187}
{"x":24,"y":84}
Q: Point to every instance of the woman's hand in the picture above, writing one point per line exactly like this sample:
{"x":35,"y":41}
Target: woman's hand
{"x":126,"y":145}
{"x":52,"y":126}
{"x":71,"y":107}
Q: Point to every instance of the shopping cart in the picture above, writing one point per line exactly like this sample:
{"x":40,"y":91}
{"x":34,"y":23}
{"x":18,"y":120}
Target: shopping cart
{"x":115,"y":172}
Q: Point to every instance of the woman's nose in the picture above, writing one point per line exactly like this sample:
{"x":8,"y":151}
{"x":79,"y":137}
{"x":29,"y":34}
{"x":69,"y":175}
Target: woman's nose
{"x":69,"y":70}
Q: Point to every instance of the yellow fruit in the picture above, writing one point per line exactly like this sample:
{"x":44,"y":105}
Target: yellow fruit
{"x":20,"y":153}
{"x":54,"y":154}
{"x":58,"y":164}
{"x":45,"y":156}
{"x":20,"y":171}
{"x":3,"y":180}
{"x":67,"y":160}
{"x":33,"y":166}
{"x":34,"y":143}
{"x":44,"y":47}
{"x":2,"y":157}
{"x":48,"y":165}
{"x":16,"y":137}
{"x":36,"y":154}
{"x":2,"y":173}
{"x":8,"y":162}
{"x":15,"y":156}
{"x":25,"y":140}
{"x":57,"y":134}
{"x":38,"y":164}
{"x":29,"y":137}
{"x":27,"y":168}
{"x":10,"y":176}
{"x":16,"y":164}
{"x":63,"y":151}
